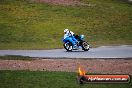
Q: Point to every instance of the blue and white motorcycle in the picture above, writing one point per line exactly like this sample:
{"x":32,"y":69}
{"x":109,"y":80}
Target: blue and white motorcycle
{"x":81,"y":44}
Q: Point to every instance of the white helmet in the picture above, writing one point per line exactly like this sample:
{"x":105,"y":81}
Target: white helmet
{"x":66,"y":30}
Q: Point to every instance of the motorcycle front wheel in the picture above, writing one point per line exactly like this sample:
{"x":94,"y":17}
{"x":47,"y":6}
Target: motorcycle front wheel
{"x":68,"y":46}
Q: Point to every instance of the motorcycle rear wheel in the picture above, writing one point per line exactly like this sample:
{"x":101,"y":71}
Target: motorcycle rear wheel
{"x":85,"y":46}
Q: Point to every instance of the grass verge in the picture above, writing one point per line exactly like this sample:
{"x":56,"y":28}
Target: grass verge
{"x":37,"y":79}
{"x":15,"y":57}
{"x":26,"y":25}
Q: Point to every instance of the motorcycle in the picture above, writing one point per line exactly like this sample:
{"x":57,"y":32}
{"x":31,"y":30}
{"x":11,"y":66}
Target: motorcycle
{"x":81,"y":44}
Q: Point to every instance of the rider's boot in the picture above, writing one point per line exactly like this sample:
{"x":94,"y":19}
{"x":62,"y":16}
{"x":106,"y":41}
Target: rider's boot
{"x":75,"y":46}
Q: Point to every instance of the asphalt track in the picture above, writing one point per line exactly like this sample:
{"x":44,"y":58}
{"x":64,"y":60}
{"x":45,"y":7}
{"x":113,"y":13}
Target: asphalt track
{"x":123,"y":51}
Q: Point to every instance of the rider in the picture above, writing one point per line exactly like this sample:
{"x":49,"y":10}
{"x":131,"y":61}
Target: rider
{"x":70,"y":36}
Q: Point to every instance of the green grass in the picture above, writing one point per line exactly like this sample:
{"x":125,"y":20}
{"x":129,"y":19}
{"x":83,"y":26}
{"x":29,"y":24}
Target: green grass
{"x":37,"y":79}
{"x":26,"y":25}
{"x":15,"y":57}
{"x":45,"y":79}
